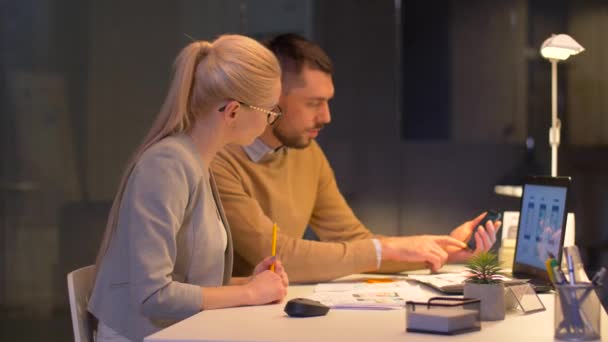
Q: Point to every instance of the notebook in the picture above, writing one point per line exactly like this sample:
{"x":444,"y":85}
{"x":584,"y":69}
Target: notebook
{"x":540,"y":233}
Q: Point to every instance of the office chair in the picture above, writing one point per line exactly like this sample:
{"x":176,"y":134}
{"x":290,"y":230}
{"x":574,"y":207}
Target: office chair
{"x":80,"y":284}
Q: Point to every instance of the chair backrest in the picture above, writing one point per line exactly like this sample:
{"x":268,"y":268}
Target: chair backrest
{"x":80,"y":284}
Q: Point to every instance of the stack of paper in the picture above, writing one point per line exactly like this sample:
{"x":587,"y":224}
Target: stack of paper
{"x":371,"y":296}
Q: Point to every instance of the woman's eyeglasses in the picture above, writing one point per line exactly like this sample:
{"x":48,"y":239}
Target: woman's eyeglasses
{"x":272,"y":115}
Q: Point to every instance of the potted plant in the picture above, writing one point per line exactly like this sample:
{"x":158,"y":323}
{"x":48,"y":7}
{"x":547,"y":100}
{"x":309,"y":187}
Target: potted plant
{"x":485,"y":284}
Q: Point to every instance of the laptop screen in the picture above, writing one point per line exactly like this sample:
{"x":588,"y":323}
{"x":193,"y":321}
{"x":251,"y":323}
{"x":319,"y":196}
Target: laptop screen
{"x":542,"y":223}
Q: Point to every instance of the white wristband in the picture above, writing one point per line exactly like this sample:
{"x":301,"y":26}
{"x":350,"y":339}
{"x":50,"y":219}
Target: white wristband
{"x":378,"y":252}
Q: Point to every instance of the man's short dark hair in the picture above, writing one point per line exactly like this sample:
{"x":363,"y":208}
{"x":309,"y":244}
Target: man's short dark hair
{"x":294,"y":51}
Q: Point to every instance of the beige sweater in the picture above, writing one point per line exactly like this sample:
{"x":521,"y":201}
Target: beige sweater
{"x":294,"y":188}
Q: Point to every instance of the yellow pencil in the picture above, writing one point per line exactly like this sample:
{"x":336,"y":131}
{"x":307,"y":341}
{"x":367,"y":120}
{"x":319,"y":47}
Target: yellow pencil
{"x":274,"y":243}
{"x":550,"y":270}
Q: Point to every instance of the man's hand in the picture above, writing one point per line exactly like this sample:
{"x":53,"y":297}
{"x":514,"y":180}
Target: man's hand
{"x":420,"y":248}
{"x":484,"y":238}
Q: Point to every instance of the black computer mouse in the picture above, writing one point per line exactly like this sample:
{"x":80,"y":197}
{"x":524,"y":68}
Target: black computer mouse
{"x":304,"y":307}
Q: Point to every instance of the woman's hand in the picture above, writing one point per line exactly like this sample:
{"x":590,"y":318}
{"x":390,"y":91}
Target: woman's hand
{"x":266,"y":287}
{"x":278,"y":268}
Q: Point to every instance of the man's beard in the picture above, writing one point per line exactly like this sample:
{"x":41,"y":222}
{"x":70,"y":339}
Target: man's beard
{"x":295,"y":141}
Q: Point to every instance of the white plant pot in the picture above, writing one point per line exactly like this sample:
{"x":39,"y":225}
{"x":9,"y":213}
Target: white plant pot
{"x":492,"y":298}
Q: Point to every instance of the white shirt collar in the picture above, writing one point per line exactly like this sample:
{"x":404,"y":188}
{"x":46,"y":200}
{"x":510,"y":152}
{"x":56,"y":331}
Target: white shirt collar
{"x":258,"y":150}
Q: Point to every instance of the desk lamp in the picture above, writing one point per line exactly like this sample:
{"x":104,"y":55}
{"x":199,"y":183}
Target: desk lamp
{"x":557,"y":48}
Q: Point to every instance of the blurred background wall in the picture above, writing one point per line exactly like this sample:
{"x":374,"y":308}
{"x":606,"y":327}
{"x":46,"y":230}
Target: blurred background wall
{"x":436,"y":103}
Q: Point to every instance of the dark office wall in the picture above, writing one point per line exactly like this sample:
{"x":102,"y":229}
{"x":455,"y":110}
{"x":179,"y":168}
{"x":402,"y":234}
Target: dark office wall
{"x":83,"y":81}
{"x":127,"y":38}
{"x":362,"y":140}
{"x":426,"y":90}
{"x":404,"y":186}
{"x":397,"y":186}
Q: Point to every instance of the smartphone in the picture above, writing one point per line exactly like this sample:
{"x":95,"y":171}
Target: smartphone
{"x":491,"y":215}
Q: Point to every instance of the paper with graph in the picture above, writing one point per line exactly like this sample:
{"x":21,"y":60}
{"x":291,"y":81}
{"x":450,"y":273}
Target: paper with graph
{"x":372,"y":296}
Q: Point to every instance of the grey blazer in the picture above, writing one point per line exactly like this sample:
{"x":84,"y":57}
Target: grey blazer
{"x":168,"y":243}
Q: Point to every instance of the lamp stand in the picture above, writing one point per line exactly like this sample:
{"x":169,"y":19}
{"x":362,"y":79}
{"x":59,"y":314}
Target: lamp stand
{"x":554,"y":131}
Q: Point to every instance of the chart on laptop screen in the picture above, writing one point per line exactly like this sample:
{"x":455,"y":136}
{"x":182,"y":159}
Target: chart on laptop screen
{"x":541,"y":223}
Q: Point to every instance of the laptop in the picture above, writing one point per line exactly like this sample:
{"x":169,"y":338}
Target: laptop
{"x":540,"y":234}
{"x":541,"y":230}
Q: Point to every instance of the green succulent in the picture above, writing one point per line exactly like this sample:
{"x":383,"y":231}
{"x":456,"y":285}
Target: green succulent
{"x":484,"y":268}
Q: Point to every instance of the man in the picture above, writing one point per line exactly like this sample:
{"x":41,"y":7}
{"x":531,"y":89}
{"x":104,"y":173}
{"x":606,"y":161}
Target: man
{"x":284,"y":177}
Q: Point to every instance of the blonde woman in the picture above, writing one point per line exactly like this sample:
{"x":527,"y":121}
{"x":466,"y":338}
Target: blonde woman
{"x":167,"y":249}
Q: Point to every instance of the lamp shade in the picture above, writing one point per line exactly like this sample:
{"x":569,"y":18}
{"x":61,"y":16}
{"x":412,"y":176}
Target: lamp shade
{"x":560,"y":46}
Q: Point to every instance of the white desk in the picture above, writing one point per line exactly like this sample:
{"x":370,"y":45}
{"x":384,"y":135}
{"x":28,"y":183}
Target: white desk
{"x":270,"y":323}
